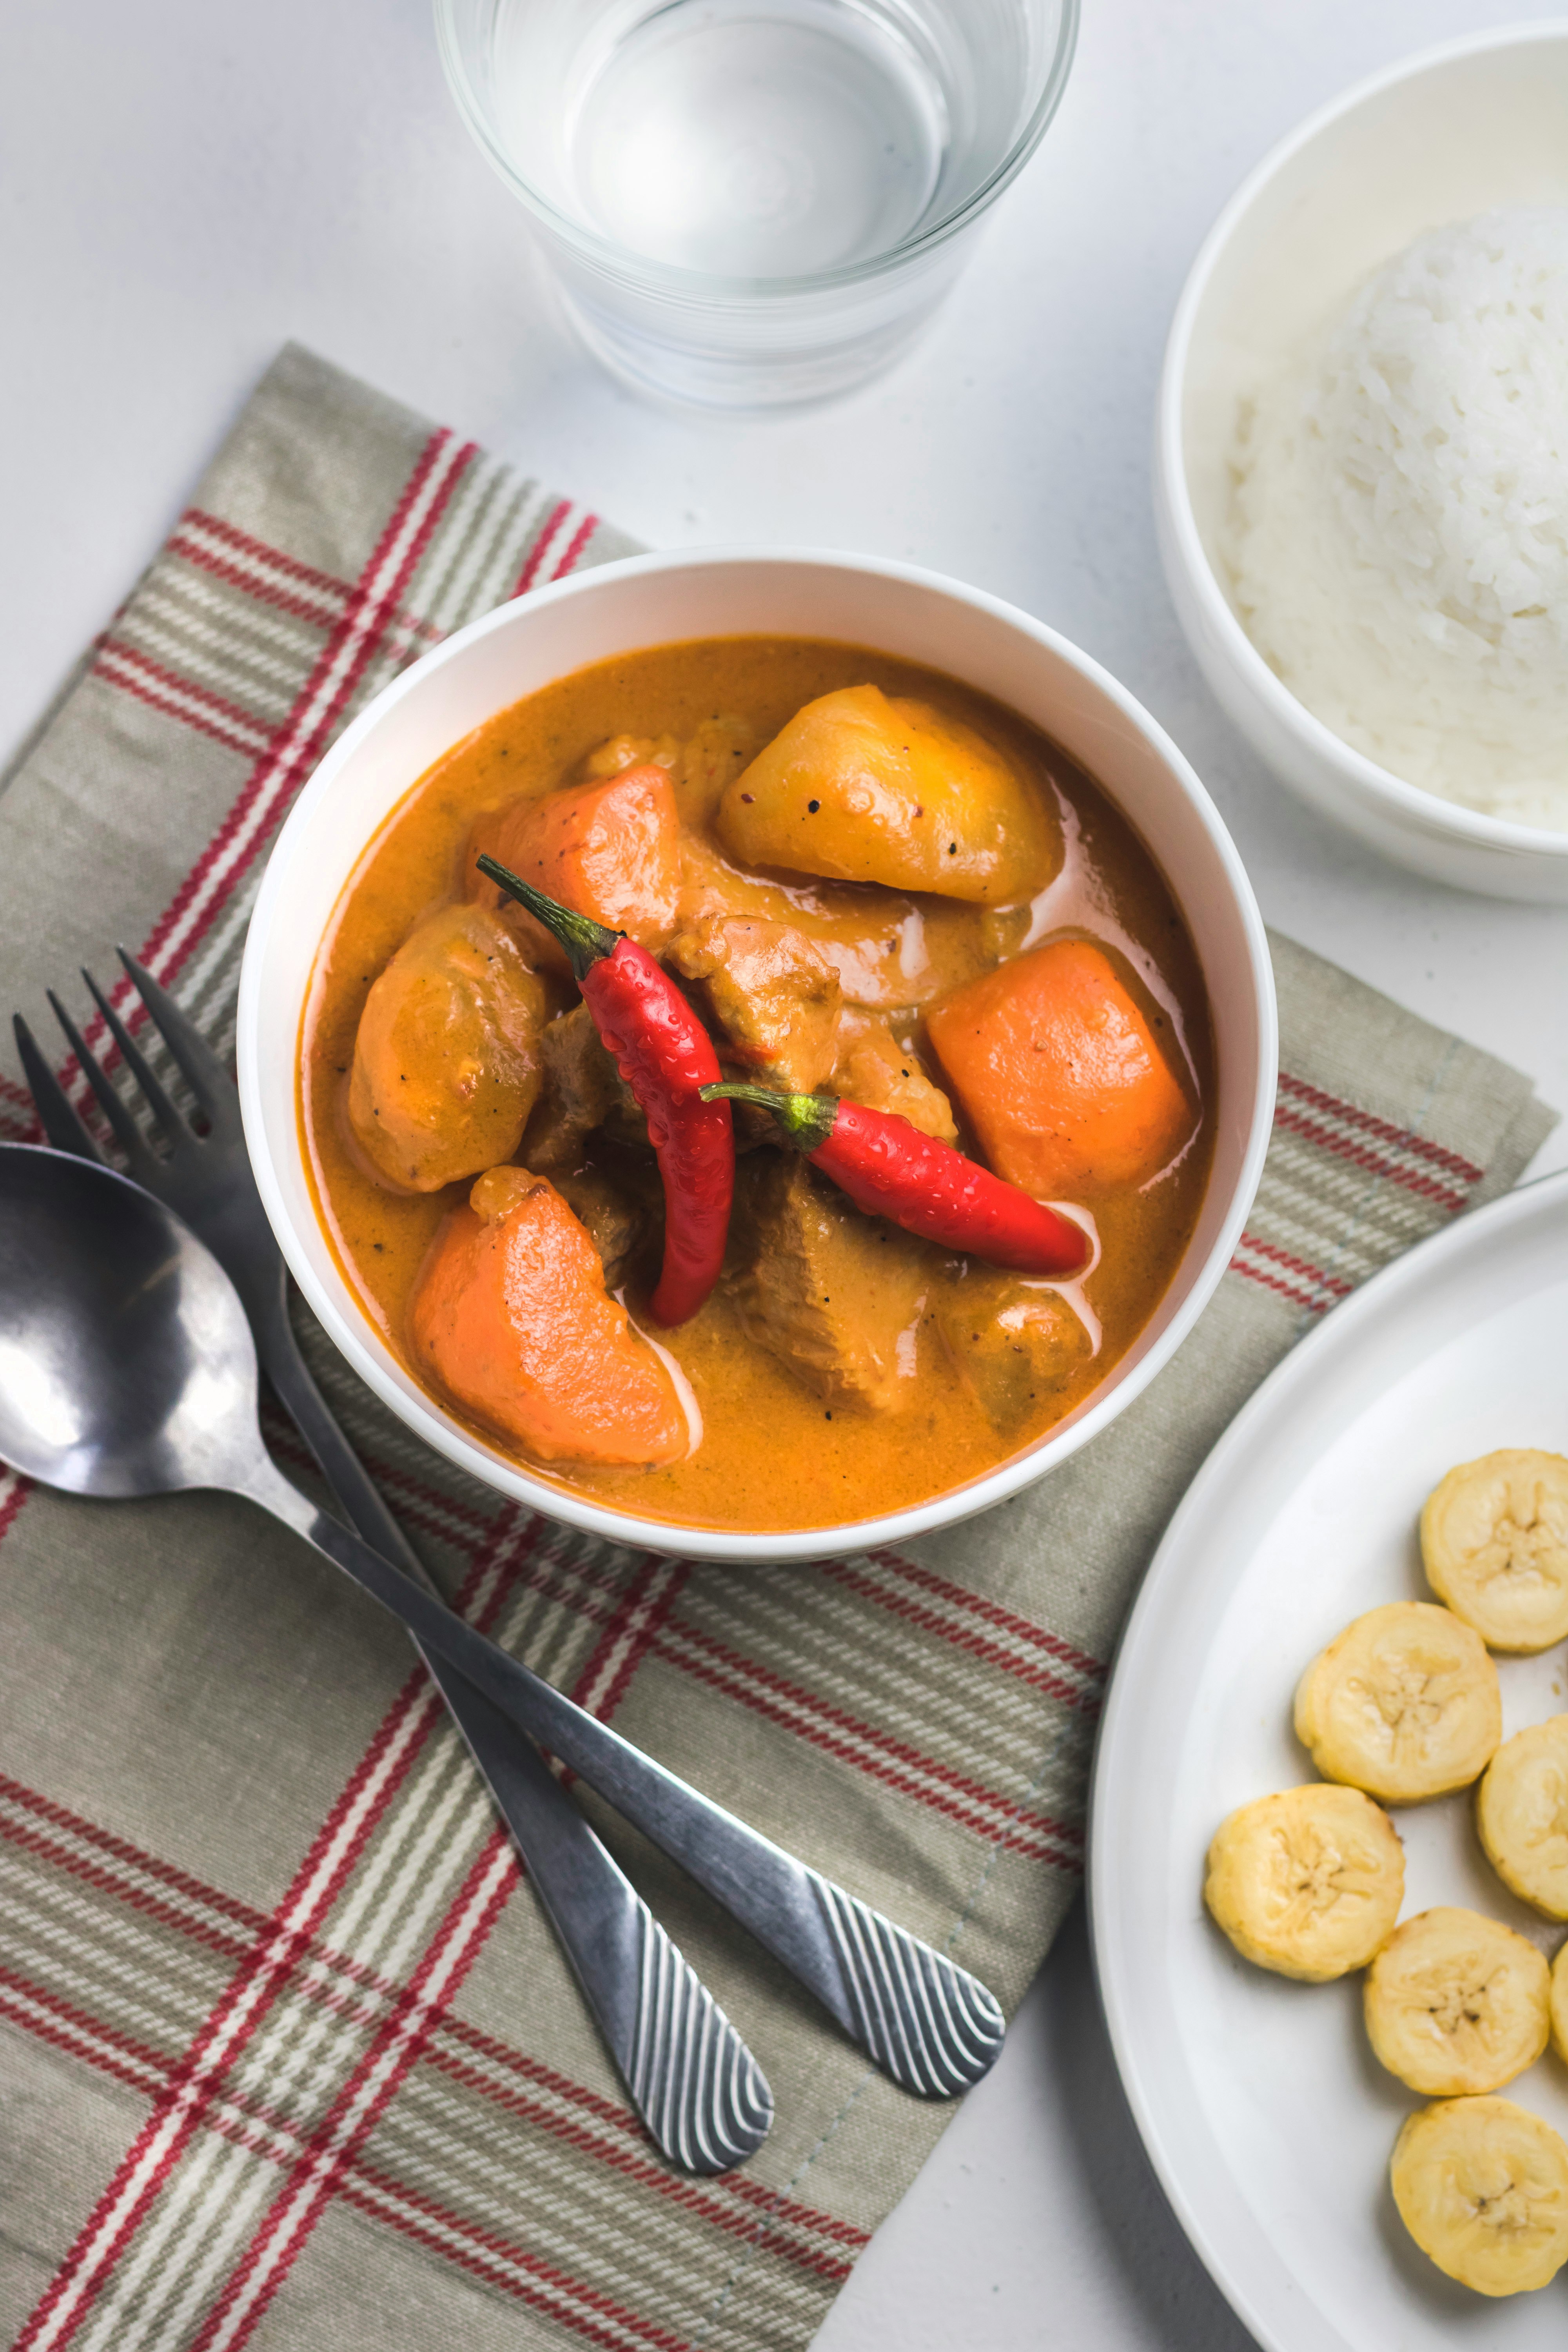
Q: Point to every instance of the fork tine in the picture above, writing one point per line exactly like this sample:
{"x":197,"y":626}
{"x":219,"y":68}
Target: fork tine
{"x":60,"y":1122}
{"x":131,"y":1137}
{"x":176,"y":1129}
{"x":204,"y":1073}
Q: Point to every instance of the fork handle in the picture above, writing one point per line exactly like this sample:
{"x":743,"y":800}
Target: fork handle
{"x":363,"y":1504}
{"x":691,"y":2076}
{"x":927,"y":2022}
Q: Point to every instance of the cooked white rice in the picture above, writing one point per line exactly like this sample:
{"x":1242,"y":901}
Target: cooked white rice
{"x":1399,"y":532}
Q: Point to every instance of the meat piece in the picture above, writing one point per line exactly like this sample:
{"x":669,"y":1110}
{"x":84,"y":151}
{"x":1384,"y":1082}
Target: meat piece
{"x":774,"y":995}
{"x":446,"y":1059}
{"x":1015,"y":1344}
{"x":873,"y":1068}
{"x":582,"y":1092}
{"x":512,"y":1319}
{"x":875,"y":941}
{"x":837,"y":1296}
{"x":614,"y":1223}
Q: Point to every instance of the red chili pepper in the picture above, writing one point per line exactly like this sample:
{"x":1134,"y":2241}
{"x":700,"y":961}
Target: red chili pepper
{"x":890,"y":1170}
{"x":666,"y":1057}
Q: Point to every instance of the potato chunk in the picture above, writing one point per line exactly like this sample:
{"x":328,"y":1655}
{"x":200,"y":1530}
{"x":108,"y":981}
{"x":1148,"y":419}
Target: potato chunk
{"x":446,"y":1065}
{"x":513,"y":1320}
{"x":869,"y":789}
{"x":772,"y":993}
{"x":1015,"y":1343}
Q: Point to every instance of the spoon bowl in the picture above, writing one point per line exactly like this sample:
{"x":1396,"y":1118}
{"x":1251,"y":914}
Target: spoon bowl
{"x":127,"y":1366}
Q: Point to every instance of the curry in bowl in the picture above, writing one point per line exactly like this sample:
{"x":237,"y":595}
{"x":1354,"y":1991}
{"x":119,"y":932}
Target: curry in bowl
{"x":900,"y":925}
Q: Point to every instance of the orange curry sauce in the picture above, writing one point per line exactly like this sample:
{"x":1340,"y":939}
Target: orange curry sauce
{"x":771,"y":1455}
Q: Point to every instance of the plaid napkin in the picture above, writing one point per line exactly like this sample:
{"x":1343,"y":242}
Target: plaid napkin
{"x":287,"y":2055}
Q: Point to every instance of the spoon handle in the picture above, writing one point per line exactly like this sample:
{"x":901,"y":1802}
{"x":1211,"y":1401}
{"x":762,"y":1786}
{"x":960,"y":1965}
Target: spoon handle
{"x":927,"y":2023}
{"x":690,"y":2077}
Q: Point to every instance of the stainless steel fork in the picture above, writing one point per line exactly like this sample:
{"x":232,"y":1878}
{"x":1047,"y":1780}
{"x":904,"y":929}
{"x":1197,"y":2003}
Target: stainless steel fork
{"x":689,"y":2076}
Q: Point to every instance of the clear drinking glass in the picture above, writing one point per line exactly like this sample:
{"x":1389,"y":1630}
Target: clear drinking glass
{"x":751,"y":204}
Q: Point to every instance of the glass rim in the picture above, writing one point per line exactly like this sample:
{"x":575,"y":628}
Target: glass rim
{"x":697,"y":285}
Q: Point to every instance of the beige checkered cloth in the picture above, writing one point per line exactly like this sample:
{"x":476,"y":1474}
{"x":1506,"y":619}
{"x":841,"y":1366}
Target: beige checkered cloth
{"x":287,"y":2055}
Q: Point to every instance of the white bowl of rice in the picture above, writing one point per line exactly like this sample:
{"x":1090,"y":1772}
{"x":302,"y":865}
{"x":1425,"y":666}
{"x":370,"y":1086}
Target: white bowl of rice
{"x":1361,"y":462}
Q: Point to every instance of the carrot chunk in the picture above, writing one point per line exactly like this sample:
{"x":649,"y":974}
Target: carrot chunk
{"x":609,"y":850}
{"x":512,"y":1319}
{"x":1055,"y":1064}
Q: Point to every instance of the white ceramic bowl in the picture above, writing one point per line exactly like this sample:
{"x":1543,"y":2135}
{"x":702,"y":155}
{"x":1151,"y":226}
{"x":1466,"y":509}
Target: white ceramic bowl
{"x":654,"y":600}
{"x":1448,"y":135}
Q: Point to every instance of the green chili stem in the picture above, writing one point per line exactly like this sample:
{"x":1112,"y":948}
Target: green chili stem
{"x":585,"y":942}
{"x":806,"y":1120}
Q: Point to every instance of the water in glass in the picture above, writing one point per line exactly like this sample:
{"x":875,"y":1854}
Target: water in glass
{"x":752,"y":202}
{"x":758,"y":142}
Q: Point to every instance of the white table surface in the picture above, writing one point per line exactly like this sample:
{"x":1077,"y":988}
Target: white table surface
{"x":184,"y":186}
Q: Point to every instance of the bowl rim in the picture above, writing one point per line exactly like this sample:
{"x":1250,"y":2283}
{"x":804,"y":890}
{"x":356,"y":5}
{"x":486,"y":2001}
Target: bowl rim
{"x":1398,"y":798}
{"x":427,"y":1420}
{"x":719,"y":288}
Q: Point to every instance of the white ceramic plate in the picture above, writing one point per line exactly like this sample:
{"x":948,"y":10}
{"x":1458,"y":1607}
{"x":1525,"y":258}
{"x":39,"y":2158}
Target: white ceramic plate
{"x":1267,"y":2117}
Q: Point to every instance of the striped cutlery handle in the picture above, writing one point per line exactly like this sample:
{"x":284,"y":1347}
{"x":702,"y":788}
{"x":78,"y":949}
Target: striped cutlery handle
{"x":929,"y":2023}
{"x":931,"y":2026}
{"x":692,"y":2079}
{"x":689,"y":2076}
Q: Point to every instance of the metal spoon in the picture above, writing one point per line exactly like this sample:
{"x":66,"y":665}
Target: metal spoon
{"x":662,"y":2026}
{"x":127,"y":1368}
